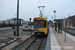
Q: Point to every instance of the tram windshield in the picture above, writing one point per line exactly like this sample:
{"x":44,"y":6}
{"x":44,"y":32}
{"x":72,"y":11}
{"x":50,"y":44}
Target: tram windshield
{"x":40,"y":24}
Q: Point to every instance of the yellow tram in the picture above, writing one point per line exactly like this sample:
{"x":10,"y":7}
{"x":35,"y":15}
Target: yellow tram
{"x":40,"y":26}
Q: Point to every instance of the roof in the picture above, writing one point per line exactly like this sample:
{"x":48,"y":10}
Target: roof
{"x":72,"y":16}
{"x":58,"y":19}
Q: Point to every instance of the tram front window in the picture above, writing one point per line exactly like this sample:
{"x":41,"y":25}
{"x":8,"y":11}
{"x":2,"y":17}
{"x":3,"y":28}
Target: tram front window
{"x":40,"y":24}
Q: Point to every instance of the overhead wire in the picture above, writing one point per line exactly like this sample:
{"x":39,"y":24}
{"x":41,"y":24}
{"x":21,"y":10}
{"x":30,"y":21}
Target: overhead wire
{"x":40,"y":2}
{"x":67,"y":7}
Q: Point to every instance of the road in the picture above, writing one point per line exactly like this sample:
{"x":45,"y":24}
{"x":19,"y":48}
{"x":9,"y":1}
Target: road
{"x":8,"y":33}
{"x":5,"y":36}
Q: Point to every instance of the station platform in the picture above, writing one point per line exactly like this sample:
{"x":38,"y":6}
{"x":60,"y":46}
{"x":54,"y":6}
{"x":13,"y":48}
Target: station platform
{"x":57,"y":40}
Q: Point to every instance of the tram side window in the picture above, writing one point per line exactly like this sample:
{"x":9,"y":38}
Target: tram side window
{"x":45,"y":24}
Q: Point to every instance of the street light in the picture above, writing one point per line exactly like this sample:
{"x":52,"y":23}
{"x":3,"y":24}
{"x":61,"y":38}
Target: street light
{"x":54,"y":21}
{"x":54,"y":15}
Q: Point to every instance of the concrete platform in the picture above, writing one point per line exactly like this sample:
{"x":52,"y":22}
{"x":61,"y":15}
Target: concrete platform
{"x":57,"y":41}
{"x":47,"y":47}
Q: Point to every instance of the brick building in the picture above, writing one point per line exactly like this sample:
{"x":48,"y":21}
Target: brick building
{"x":72,"y":19}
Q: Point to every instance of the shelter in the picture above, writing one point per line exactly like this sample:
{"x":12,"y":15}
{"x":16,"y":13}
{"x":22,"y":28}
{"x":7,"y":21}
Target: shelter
{"x":58,"y":25}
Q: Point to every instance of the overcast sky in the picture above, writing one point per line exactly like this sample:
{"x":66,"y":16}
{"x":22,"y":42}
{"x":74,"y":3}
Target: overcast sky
{"x":29,"y":8}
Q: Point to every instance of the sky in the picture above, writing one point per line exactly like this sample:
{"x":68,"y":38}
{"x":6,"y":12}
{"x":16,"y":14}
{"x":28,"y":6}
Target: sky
{"x":29,"y":8}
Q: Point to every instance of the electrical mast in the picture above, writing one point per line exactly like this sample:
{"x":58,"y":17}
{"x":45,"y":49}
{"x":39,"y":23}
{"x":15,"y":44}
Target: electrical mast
{"x":41,"y":9}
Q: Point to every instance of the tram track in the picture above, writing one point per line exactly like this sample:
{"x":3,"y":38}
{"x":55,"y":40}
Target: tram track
{"x":42,"y":44}
{"x":33,"y":43}
{"x":71,"y":31}
{"x":36,"y":44}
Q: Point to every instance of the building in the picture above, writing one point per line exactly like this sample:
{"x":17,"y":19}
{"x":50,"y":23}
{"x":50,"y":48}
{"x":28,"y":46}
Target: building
{"x":71,"y":20}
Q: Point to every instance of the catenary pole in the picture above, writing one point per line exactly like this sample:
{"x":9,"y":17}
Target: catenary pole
{"x":17,"y":17}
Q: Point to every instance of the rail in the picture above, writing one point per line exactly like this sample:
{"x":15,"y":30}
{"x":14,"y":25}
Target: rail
{"x":29,"y":44}
{"x":71,"y":31}
{"x":34,"y":41}
{"x":39,"y":44}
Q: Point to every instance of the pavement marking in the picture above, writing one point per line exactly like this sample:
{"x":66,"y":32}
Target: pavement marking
{"x":70,"y":36}
{"x":2,"y":44}
{"x":12,"y":40}
{"x":54,"y":43}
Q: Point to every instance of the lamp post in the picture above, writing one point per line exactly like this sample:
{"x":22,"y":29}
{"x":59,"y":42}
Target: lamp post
{"x":30,"y":24}
{"x":54,"y":21}
{"x":54,"y":15}
{"x":17,"y":17}
{"x":30,"y":19}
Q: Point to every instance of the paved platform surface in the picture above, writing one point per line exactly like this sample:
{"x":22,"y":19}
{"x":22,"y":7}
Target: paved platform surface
{"x":57,"y":41}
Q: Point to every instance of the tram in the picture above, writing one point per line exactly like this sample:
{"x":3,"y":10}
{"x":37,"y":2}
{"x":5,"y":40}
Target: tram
{"x":40,"y":26}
